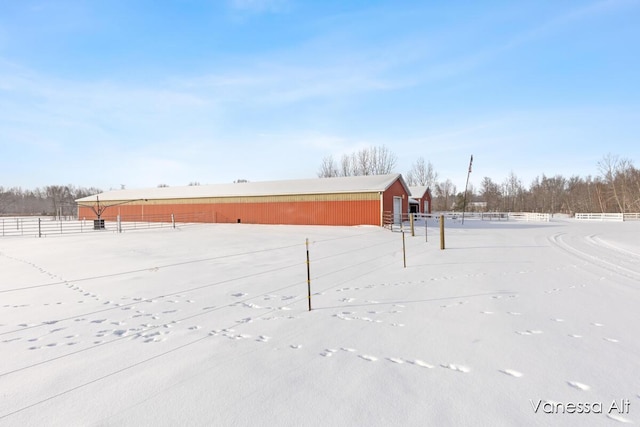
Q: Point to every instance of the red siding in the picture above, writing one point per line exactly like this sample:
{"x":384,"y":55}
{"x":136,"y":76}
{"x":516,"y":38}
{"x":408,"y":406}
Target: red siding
{"x":395,"y":190}
{"x":296,"y":213}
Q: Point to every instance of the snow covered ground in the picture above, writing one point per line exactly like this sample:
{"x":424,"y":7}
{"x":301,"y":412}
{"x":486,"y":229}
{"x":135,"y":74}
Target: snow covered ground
{"x":208,"y":325}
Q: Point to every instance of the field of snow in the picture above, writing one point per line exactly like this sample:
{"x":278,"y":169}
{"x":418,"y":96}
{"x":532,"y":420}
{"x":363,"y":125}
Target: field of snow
{"x":208,"y":325}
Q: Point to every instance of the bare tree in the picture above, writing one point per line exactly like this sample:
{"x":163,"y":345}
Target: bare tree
{"x":422,"y":174}
{"x":445,"y":195}
{"x":367,"y":161}
{"x":513,"y":193}
{"x":490,"y":192}
{"x":328,"y":168}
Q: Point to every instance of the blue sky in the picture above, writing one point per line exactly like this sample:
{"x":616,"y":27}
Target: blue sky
{"x":141,"y":93}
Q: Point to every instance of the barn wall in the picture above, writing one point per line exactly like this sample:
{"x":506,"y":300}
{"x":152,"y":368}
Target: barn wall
{"x":395,"y":190}
{"x":350,"y":209}
{"x":425,"y":198}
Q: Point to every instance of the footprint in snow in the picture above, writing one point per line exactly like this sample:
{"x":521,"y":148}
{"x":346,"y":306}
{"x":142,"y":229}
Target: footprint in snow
{"x":328,"y":352}
{"x":578,"y":385}
{"x":619,"y":418}
{"x":511,"y":372}
{"x":575,"y":336}
{"x":263,"y":338}
{"x":458,"y":368}
{"x":368,"y":358}
{"x":351,"y":350}
{"x":529,"y":332}
{"x":395,"y":360}
{"x":557,"y":320}
{"x":611,"y":340}
{"x":597,"y":324}
{"x":422,"y":364}
{"x":296,"y":346}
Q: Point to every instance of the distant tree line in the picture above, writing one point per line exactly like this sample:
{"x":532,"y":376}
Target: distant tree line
{"x":615,"y":189}
{"x":52,"y":200}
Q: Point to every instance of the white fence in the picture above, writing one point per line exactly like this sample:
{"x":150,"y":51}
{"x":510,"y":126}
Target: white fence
{"x":600,"y":216}
{"x":51,"y":226}
{"x":608,"y":216}
{"x":529,"y":216}
{"x":507,"y":216}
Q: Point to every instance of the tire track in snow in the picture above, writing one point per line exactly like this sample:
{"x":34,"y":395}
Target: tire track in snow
{"x":558,"y":241}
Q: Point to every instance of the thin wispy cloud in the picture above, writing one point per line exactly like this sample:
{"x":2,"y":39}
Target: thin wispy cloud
{"x":216,"y":91}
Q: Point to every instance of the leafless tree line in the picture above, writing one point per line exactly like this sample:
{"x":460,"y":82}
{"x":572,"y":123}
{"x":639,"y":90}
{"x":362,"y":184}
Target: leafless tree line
{"x":615,"y":189}
{"x":367,"y":161}
{"x":53,"y":200}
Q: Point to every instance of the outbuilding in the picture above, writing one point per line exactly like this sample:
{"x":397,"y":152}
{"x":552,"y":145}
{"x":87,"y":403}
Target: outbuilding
{"x":420,"y":201}
{"x":356,"y":200}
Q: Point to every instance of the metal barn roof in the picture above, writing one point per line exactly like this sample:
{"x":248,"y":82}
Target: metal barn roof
{"x":351,"y":184}
{"x":418,"y":191}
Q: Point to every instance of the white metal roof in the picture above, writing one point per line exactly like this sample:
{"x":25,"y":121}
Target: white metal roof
{"x":418,"y":191}
{"x":351,"y":184}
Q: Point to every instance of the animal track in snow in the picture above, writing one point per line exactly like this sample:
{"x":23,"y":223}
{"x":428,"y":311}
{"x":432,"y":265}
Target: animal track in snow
{"x":611,"y":340}
{"x":557,"y":320}
{"x":578,"y":385}
{"x":420,"y":363}
{"x":597,"y":324}
{"x":511,"y":372}
{"x":368,"y":358}
{"x":395,"y":360}
{"x":529,"y":332}
{"x":619,"y":418}
{"x":458,"y":368}
{"x":575,"y":336}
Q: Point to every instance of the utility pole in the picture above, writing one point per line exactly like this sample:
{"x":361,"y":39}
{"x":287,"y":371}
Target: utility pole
{"x":464,"y":203}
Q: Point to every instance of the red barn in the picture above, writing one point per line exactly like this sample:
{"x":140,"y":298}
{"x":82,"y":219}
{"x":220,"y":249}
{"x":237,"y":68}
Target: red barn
{"x":420,"y":201}
{"x":352,"y":200}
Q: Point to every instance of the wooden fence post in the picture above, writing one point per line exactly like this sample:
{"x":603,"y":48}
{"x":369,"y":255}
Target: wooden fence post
{"x":411,"y":220}
{"x":441,"y":232}
{"x":404,"y":251}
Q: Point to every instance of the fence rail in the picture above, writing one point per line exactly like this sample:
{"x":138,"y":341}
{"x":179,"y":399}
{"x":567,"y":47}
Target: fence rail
{"x":600,"y":216}
{"x":51,"y":226}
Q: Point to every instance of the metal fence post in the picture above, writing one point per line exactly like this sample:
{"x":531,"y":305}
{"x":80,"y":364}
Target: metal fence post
{"x":308,"y":274}
{"x":425,"y":229}
{"x":39,"y":228}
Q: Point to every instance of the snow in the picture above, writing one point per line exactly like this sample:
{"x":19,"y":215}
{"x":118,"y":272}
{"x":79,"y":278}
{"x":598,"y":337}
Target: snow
{"x":333,"y":185}
{"x":208,"y":325}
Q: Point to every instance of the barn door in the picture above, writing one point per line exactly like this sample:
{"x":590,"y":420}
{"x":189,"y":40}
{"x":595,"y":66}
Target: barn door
{"x":397,"y":210}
